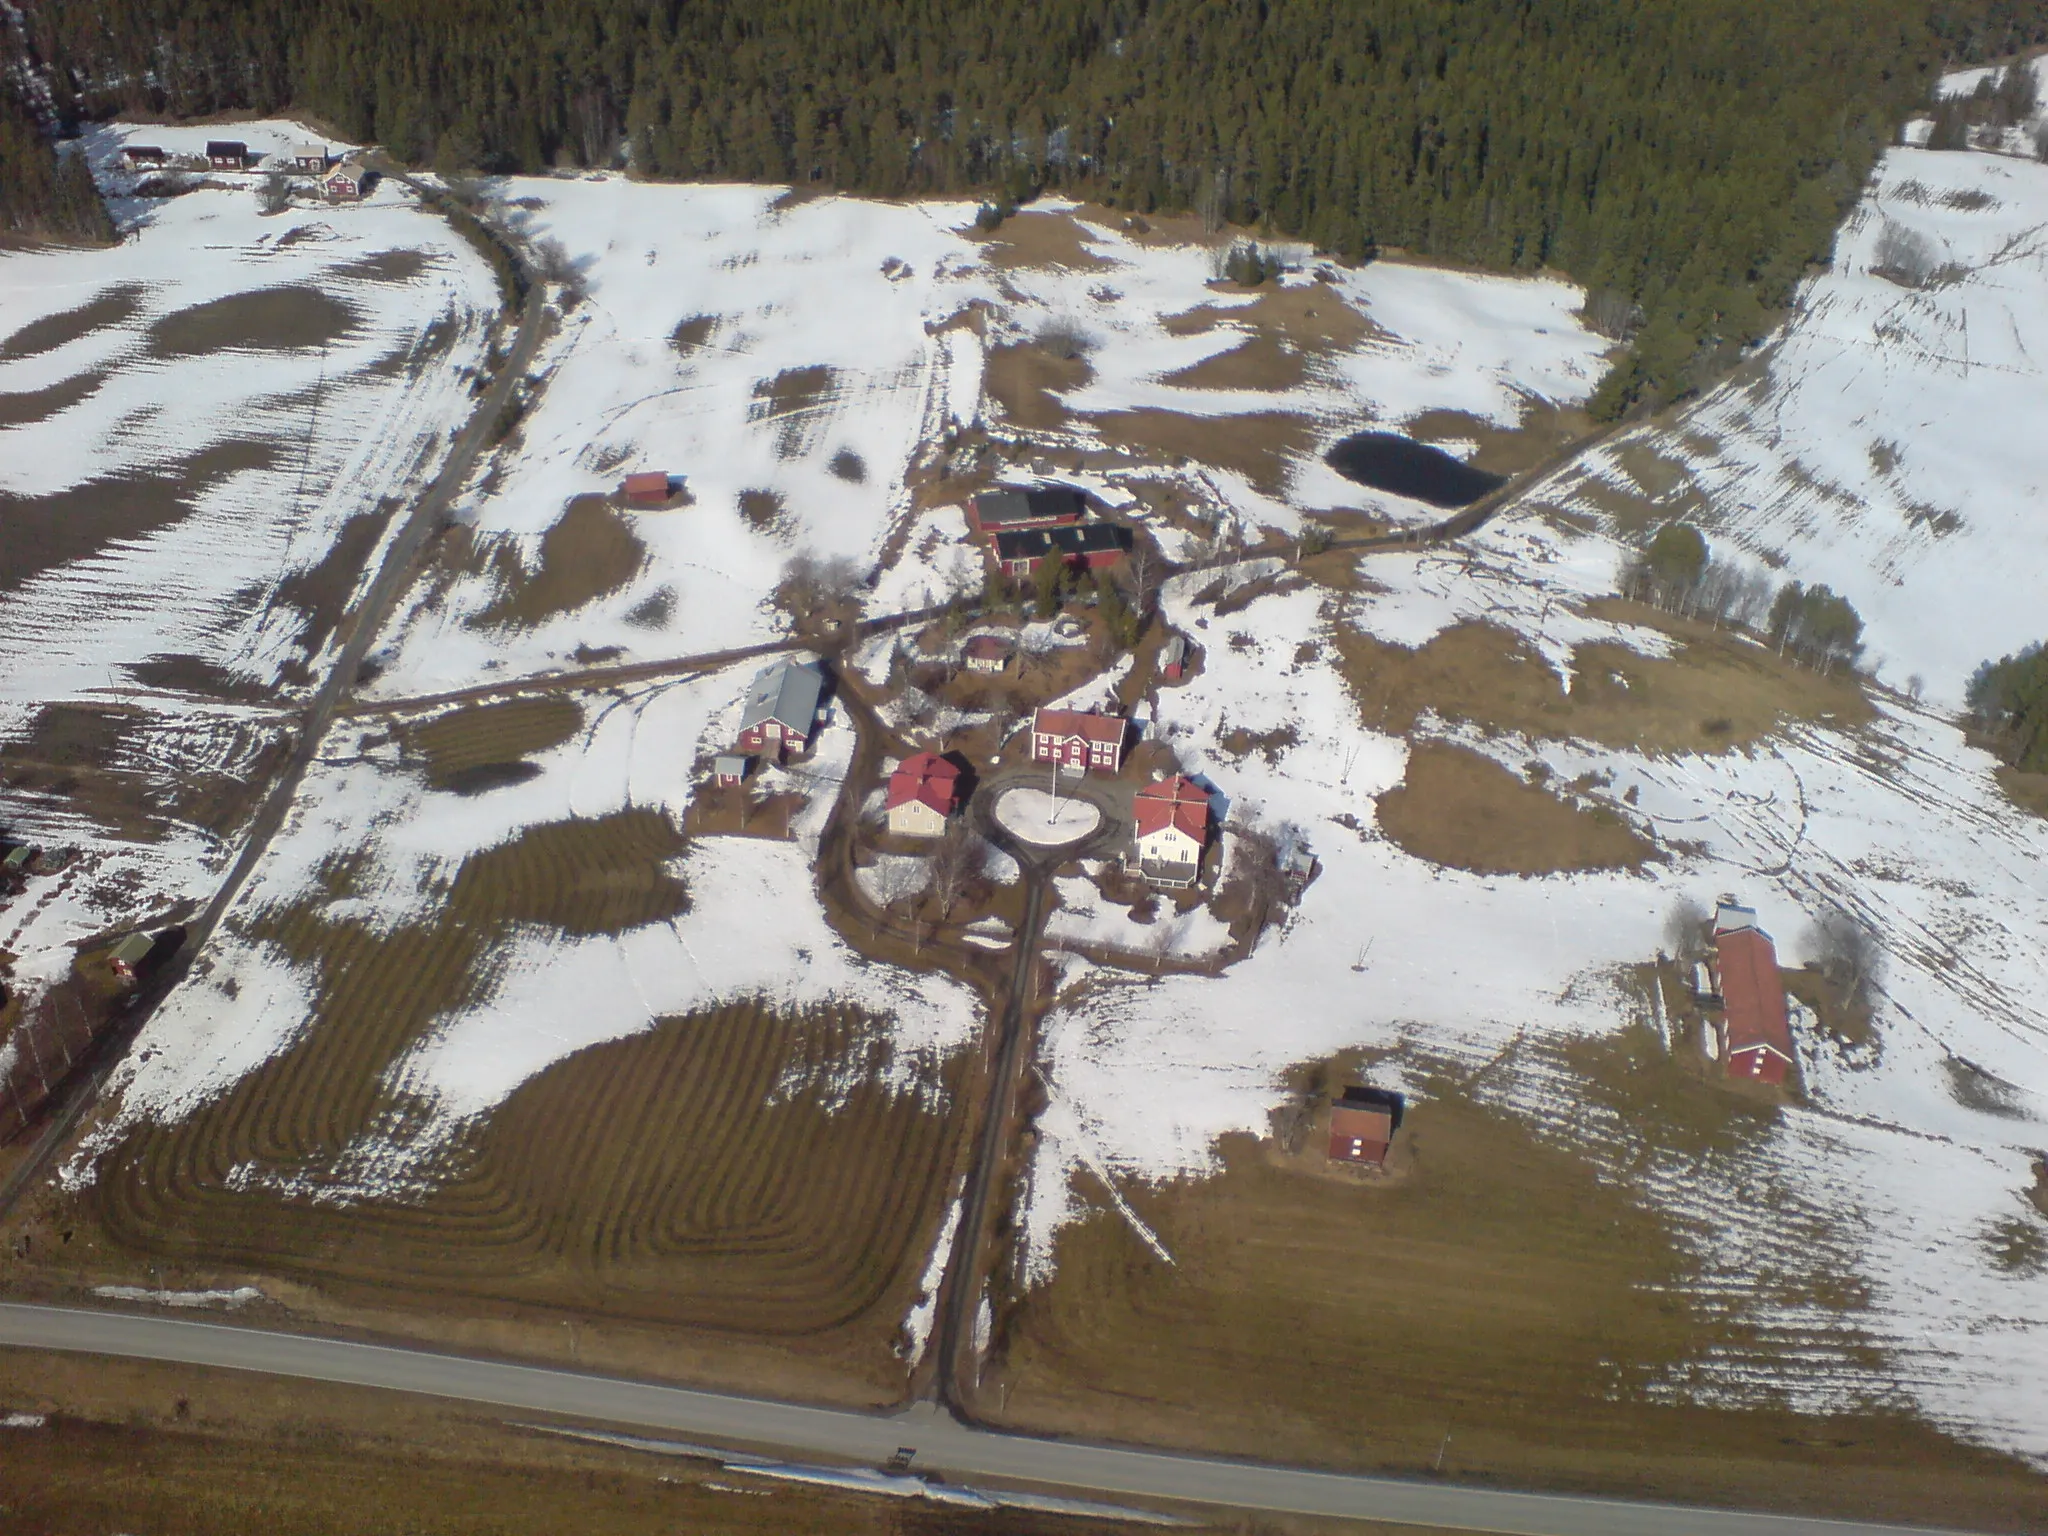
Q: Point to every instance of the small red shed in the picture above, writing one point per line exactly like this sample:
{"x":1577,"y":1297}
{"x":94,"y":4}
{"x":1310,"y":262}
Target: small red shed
{"x":1362,"y":1125}
{"x":650,"y":489}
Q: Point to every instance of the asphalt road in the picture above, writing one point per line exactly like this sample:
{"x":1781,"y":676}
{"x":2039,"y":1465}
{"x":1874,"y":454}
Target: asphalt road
{"x":941,"y":1444}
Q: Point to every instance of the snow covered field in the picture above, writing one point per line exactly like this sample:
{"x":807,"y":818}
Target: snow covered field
{"x":1889,"y":442}
{"x":192,"y":469}
{"x":1901,"y":824}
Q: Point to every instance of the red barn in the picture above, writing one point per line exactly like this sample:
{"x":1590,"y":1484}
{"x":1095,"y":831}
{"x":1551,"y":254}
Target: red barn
{"x":1173,"y":658}
{"x":1077,"y":740}
{"x":227,"y":155}
{"x":1362,"y":1125}
{"x":1009,"y":507}
{"x":647,"y":490}
{"x":1756,"y":1033}
{"x":144,"y":154}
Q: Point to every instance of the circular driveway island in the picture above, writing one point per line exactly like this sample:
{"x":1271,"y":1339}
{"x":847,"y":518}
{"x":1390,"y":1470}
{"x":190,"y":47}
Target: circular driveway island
{"x":1036,"y":817}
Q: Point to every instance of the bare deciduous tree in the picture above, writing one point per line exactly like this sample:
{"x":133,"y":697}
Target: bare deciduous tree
{"x":960,"y":859}
{"x":820,"y":589}
{"x":1847,"y":954}
{"x":1685,"y":929}
{"x":274,"y":193}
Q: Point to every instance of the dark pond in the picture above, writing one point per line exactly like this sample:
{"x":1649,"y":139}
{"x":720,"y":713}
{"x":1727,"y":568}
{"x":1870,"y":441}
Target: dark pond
{"x":1387,"y":461}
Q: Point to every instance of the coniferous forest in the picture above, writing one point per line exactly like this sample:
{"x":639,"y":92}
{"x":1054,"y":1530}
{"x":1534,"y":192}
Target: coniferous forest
{"x":1686,"y":159}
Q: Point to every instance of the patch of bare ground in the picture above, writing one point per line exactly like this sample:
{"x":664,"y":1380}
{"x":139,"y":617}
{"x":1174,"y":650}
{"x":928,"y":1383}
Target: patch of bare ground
{"x":487,"y":745}
{"x":590,"y":551}
{"x":1258,"y":445}
{"x":1502,"y":1312}
{"x":1543,"y":429}
{"x":31,"y":406}
{"x":1260,"y":363}
{"x":692,"y":333}
{"x":2028,"y":791}
{"x":400,"y":266}
{"x":44,"y":532}
{"x":1027,"y":379}
{"x":321,"y":591}
{"x":1716,"y":692}
{"x":1037,"y":239}
{"x":268,"y":320}
{"x":1842,"y":1019}
{"x":134,"y":773}
{"x":181,"y":673}
{"x":1459,"y":808}
{"x":797,"y":402}
{"x":180,"y":1451}
{"x":117,"y":306}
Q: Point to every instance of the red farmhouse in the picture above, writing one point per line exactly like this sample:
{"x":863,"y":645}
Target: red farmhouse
{"x":1756,"y":1036}
{"x":1078,"y":546}
{"x":1077,"y":740}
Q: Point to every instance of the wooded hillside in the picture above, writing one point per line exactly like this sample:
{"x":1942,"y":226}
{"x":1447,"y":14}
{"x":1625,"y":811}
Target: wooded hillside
{"x":1689,"y":155}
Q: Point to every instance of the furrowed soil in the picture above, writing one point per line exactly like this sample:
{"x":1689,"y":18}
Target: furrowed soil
{"x":1717,"y":691}
{"x":737,"y":1194}
{"x":1457,"y":807}
{"x":44,"y":532}
{"x":268,"y":320}
{"x":469,"y":749}
{"x":28,"y":408}
{"x":117,"y":306}
{"x":589,"y":552}
{"x":1498,"y":1312}
{"x":181,"y":1452}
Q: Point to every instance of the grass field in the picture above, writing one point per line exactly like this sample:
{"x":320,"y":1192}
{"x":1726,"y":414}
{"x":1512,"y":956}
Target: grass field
{"x":476,"y":748}
{"x":1503,"y":1310}
{"x":1460,"y":808}
{"x":589,"y":551}
{"x":1716,"y":692}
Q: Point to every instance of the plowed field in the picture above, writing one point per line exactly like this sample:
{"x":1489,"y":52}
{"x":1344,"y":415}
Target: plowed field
{"x":735,"y":1169}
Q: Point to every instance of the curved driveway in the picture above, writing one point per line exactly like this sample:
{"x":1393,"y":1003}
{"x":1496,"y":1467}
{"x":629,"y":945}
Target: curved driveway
{"x":940,"y":1443}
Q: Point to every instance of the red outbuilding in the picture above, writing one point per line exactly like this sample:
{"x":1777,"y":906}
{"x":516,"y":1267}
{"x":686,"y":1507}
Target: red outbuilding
{"x":1077,"y":740}
{"x":1362,"y":1125}
{"x":647,"y":490}
{"x":1756,"y":1032}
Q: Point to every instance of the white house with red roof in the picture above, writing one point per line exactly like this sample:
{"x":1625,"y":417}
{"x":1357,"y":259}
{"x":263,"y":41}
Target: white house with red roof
{"x":1077,"y":740}
{"x":924,"y":792}
{"x":1170,"y":825}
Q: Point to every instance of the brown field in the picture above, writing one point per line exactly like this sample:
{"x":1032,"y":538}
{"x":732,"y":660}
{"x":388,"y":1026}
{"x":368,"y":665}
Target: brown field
{"x":44,"y":532}
{"x":133,"y":773}
{"x":1716,"y":692}
{"x":800,"y":401}
{"x":321,"y":591}
{"x":1458,"y":808}
{"x":1544,"y":429}
{"x":1039,"y":240}
{"x":1257,"y":445}
{"x":1026,"y":380}
{"x":268,"y":320}
{"x":2028,"y":791}
{"x":116,"y":306}
{"x":1258,"y":363}
{"x":181,"y":1452}
{"x":590,"y":551}
{"x":25,"y":410}
{"x":758,"y":1181}
{"x":386,"y":266}
{"x":469,"y":747}
{"x":1499,"y":1311}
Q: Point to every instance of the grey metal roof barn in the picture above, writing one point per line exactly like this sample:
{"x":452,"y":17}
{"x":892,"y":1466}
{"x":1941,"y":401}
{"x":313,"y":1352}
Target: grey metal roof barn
{"x":787,"y":693}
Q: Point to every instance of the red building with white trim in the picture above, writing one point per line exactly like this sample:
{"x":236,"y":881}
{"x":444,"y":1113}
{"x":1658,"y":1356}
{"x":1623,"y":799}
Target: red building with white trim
{"x":1755,"y":1028}
{"x":1077,"y":740}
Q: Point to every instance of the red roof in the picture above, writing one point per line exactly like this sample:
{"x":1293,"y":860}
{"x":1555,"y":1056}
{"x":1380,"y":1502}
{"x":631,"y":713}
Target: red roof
{"x":1175,"y":802}
{"x":1108,"y":729}
{"x":651,"y":484}
{"x":926,"y":777}
{"x":1753,"y":993}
